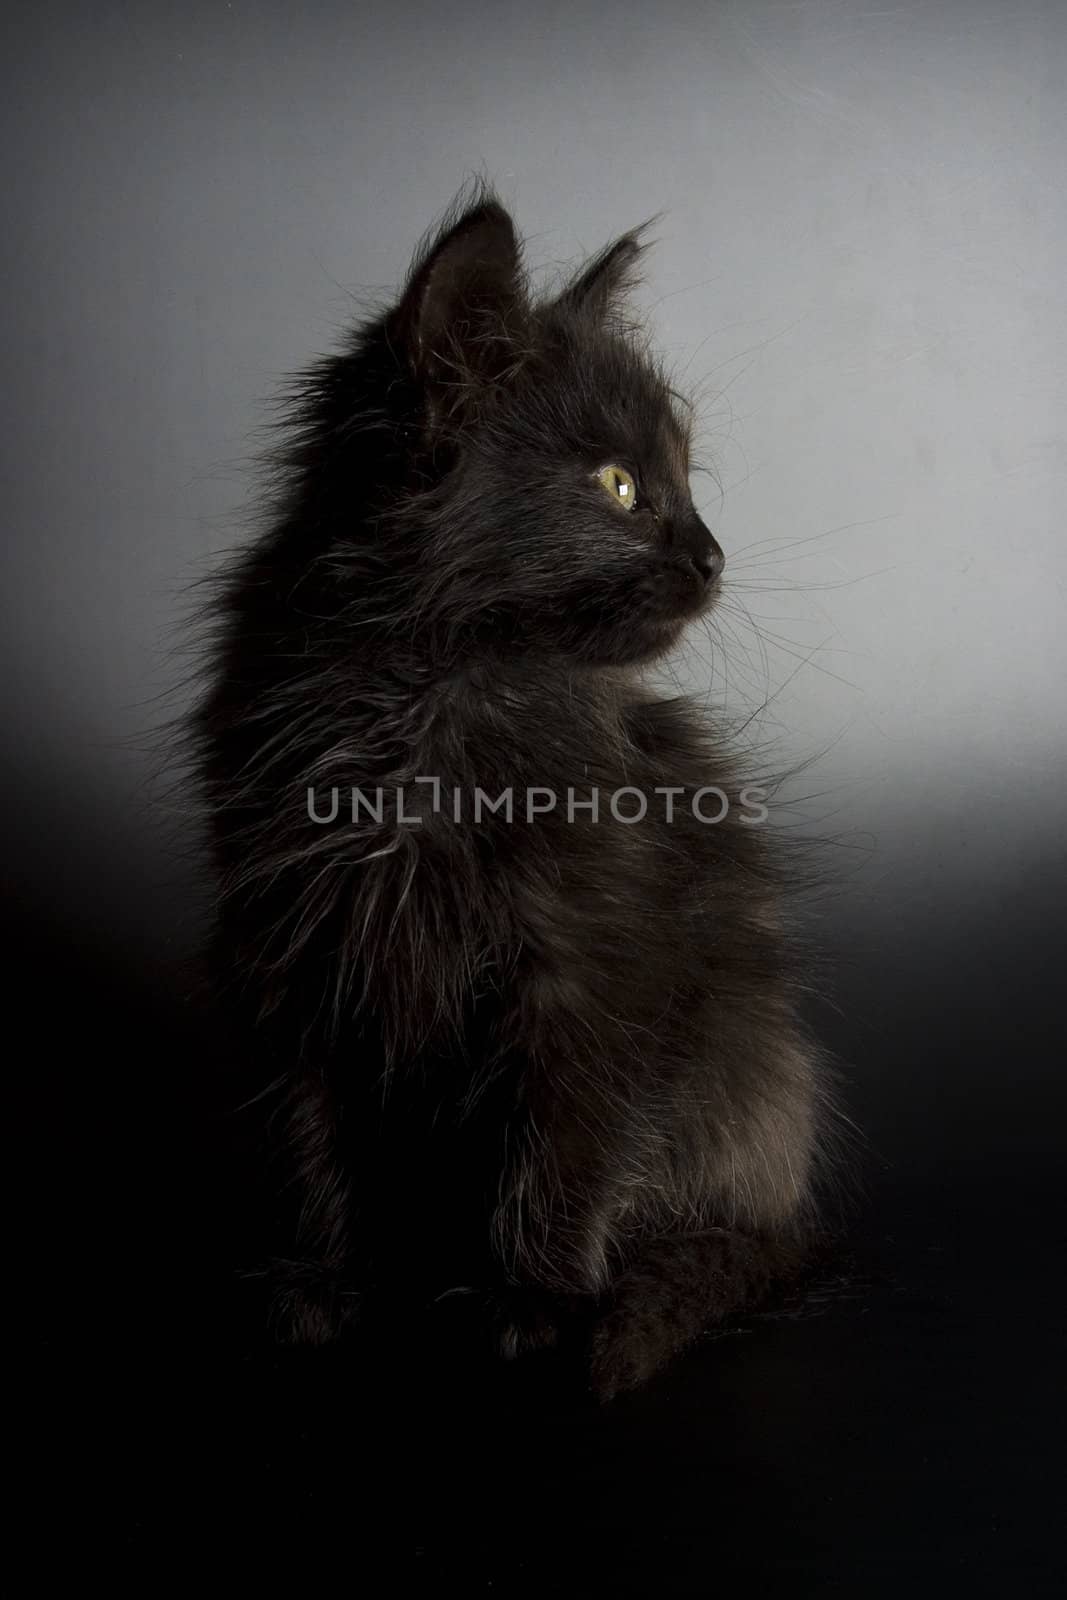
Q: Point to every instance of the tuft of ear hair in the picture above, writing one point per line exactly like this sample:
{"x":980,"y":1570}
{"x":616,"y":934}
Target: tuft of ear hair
{"x":464,"y":301}
{"x":603,"y":284}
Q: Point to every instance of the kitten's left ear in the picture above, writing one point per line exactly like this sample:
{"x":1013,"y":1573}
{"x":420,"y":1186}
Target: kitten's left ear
{"x":604,"y":283}
{"x":464,"y":299}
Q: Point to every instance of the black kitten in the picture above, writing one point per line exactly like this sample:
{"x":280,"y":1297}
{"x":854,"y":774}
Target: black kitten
{"x":503,"y":923}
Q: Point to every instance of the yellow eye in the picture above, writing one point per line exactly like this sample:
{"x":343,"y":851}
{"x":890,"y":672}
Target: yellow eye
{"x":620,"y":485}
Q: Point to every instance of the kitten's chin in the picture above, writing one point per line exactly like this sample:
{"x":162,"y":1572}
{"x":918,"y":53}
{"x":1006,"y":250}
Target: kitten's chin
{"x":660,"y":638}
{"x":637,"y":639}
{"x":650,"y":643}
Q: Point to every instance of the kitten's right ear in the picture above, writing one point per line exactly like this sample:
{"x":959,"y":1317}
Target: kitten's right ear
{"x":460,"y":310}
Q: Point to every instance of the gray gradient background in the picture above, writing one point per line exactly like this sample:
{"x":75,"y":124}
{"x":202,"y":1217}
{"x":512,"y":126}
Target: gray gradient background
{"x":861,"y":267}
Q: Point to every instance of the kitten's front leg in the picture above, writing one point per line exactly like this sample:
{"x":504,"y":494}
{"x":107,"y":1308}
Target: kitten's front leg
{"x":312,"y":1299}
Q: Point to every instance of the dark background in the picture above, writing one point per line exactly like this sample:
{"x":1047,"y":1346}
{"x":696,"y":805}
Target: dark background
{"x":860,"y":271}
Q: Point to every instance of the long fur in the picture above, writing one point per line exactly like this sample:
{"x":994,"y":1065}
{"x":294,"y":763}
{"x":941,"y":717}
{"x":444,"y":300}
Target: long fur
{"x":557,"y":1060}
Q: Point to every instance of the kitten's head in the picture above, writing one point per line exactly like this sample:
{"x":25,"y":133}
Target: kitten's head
{"x":549,"y":498}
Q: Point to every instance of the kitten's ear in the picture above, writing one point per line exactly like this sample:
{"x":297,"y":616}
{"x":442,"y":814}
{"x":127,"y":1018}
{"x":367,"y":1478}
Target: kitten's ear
{"x":605,"y":281}
{"x":462,"y":305}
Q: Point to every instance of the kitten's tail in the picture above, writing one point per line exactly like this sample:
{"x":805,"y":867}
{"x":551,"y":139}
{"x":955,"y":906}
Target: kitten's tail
{"x":678,"y":1288}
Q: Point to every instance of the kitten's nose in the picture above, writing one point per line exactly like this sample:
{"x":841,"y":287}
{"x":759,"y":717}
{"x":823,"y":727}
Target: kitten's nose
{"x":705,"y":552}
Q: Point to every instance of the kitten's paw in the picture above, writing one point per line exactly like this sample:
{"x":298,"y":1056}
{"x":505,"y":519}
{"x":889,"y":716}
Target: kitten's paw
{"x":522,"y":1320}
{"x":316,"y":1312}
{"x":511,"y":1321}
